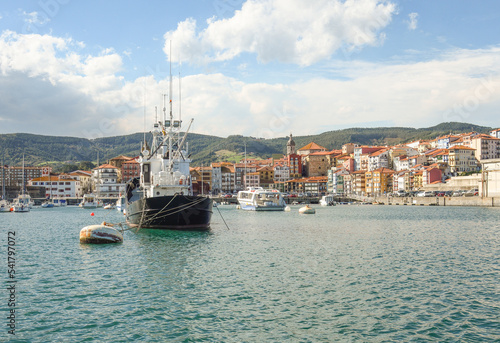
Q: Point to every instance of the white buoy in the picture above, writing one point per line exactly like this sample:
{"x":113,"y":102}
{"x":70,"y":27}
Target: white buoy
{"x":287,"y":209}
{"x":100,"y":234}
{"x":307,"y":210}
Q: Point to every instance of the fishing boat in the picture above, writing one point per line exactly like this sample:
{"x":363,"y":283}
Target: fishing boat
{"x":259,"y":199}
{"x":162,"y":196}
{"x":90,"y":201}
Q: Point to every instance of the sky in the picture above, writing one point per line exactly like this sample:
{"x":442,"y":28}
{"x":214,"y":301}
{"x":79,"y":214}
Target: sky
{"x":260,"y":68}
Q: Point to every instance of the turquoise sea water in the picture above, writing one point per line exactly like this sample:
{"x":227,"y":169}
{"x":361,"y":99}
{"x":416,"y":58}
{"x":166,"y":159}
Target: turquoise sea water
{"x":346,"y":274}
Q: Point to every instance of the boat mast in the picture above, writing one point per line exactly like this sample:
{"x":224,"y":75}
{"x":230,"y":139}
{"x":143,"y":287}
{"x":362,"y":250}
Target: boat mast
{"x":171,"y":113}
{"x":3,"y":179}
{"x":23,"y":177}
{"x":245,"y":174}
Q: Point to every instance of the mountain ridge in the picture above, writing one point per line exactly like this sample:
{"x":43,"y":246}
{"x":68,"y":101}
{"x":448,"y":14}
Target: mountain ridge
{"x":60,"y":150}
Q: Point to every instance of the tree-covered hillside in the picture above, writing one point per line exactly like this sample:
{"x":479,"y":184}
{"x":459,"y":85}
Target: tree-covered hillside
{"x":60,"y":151}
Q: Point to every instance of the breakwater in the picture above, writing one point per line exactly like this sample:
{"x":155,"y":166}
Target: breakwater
{"x":434,"y":201}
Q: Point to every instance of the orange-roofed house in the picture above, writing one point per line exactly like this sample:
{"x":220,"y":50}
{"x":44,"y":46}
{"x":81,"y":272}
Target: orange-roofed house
{"x":60,"y":186}
{"x":118,"y":161}
{"x":418,"y":177}
{"x":310,"y":148}
{"x":462,"y":159}
{"x":201,"y":178}
{"x":130,"y":169}
{"x":266,"y":176}
{"x":378,"y":159}
{"x":431,"y":175}
{"x":318,"y":163}
{"x":358,"y":182}
{"x":85,"y":181}
{"x":495,"y":133}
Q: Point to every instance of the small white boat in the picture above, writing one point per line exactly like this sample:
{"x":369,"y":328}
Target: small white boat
{"x":47,"y":204}
{"x":307,"y":210}
{"x":327,"y":200}
{"x":59,"y":202}
{"x":90,"y":201}
{"x":259,"y":199}
{"x":5,"y":206}
{"x":100,"y":234}
{"x":120,"y":204}
{"x":109,"y":207}
{"x":22,"y":203}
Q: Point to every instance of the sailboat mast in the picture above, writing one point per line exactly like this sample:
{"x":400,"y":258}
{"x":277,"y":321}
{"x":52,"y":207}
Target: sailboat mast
{"x":23,"y":177}
{"x":3,"y":179}
{"x":245,"y":174}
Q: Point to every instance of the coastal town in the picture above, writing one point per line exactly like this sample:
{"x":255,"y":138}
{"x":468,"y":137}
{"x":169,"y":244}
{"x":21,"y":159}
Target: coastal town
{"x":466,"y":164}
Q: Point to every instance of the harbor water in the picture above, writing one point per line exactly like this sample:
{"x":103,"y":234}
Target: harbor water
{"x":345,"y":274}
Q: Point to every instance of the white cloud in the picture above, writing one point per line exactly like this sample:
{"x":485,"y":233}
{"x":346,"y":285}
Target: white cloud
{"x":413,"y":21}
{"x":292,"y":31}
{"x":35,"y":18}
{"x":48,"y":87}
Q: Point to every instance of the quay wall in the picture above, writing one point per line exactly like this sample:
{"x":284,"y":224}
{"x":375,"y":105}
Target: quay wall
{"x":438,"y":201}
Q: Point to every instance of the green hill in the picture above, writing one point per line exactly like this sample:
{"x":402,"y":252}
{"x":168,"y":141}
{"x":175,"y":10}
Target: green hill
{"x":61,"y":151}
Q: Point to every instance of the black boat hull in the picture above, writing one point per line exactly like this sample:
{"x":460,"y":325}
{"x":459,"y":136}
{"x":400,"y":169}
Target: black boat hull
{"x":176,"y":212}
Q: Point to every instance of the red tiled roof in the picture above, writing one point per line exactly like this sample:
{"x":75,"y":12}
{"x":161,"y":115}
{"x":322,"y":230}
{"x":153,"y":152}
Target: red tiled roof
{"x":312,"y":146}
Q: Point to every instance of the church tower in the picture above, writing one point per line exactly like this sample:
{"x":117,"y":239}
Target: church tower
{"x":290,"y":146}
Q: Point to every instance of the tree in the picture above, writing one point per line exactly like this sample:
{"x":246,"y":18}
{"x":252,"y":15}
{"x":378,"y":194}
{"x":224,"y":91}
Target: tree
{"x":86,"y":165}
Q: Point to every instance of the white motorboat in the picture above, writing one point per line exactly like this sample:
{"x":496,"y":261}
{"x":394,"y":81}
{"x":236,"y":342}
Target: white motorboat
{"x":327,"y":200}
{"x":5,"y":206}
{"x":59,"y":202}
{"x":22,"y":203}
{"x":121,"y":204}
{"x":90,"y":201}
{"x":47,"y":204}
{"x":259,"y":199}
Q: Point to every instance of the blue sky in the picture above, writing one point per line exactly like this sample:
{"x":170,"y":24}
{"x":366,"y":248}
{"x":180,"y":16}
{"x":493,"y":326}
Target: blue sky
{"x":262,"y":68}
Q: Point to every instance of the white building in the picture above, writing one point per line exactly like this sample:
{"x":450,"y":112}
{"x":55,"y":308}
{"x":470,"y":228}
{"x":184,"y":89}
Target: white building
{"x":281,"y":173}
{"x":487,"y":147}
{"x":490,"y":178}
{"x":61,"y":186}
{"x":378,"y":159}
{"x":333,"y":176}
{"x":105,"y":181}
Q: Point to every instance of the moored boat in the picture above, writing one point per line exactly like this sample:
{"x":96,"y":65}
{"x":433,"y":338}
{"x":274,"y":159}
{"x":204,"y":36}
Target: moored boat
{"x":162,"y":197}
{"x":47,"y":204}
{"x":327,"y":200}
{"x":59,"y":202}
{"x":90,"y":201}
{"x":259,"y":199}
